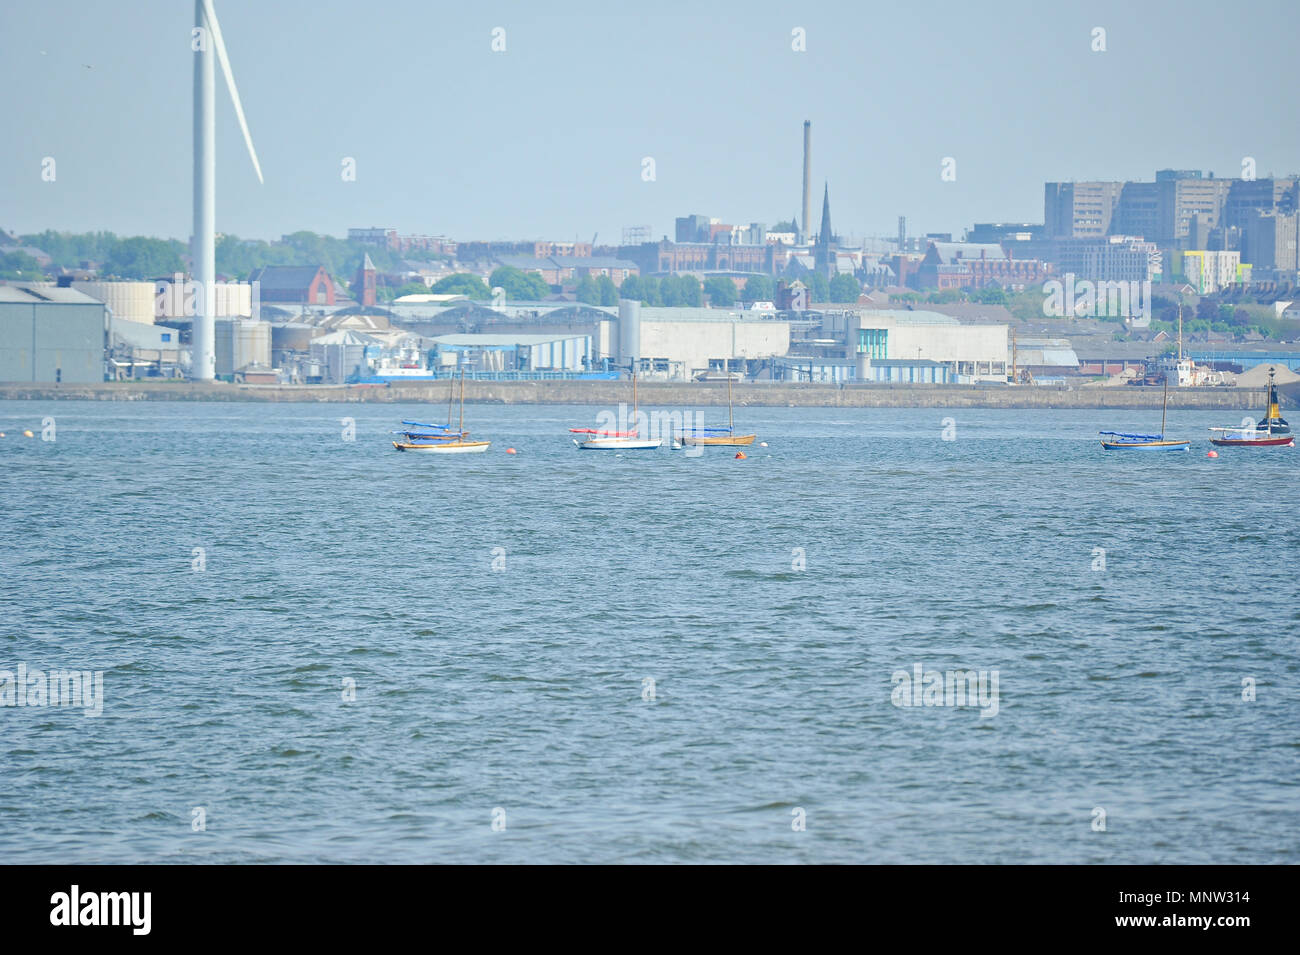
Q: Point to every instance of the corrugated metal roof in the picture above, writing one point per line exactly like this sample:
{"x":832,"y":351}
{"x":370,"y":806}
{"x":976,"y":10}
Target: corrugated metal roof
{"x":49,"y":294}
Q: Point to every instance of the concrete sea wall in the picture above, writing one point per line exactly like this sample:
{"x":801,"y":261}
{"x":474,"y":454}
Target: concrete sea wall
{"x":665,"y":394}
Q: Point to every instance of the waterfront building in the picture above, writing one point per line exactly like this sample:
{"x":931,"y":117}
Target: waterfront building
{"x":51,"y":334}
{"x":681,"y":343}
{"x":509,"y":353}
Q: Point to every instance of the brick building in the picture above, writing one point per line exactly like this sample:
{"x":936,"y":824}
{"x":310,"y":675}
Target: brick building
{"x":970,"y":265}
{"x":299,"y":284}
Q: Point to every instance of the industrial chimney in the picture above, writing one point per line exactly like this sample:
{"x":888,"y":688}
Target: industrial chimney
{"x":807,"y":181}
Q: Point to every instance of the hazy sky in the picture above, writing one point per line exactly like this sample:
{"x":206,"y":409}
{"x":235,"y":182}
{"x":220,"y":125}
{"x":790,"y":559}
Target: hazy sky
{"x":546,"y":139}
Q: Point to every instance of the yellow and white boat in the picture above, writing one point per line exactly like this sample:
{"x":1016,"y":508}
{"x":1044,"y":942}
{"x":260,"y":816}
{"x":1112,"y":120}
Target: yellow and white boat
{"x":716,"y":437}
{"x":437,"y":439}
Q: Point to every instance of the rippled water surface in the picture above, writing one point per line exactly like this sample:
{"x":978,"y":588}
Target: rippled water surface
{"x":523,"y":688}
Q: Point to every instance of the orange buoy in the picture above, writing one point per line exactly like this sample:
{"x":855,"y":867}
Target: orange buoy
{"x":1212,"y":454}
{"x":27,"y":434}
{"x":511,"y":451}
{"x":740,"y":455}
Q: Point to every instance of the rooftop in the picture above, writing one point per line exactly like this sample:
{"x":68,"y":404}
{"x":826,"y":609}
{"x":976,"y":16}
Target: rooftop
{"x":48,"y":294}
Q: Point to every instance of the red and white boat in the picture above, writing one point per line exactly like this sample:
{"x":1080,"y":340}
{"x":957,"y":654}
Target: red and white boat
{"x":1272,"y":432}
{"x":595,"y":440}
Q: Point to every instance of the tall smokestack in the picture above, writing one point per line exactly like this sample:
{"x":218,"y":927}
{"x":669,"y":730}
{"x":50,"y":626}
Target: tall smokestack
{"x":807,"y":180}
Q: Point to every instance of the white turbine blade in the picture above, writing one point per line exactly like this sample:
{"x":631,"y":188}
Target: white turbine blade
{"x":220,"y":46}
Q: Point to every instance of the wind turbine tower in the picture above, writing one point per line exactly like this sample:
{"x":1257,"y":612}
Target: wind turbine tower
{"x":207,"y":43}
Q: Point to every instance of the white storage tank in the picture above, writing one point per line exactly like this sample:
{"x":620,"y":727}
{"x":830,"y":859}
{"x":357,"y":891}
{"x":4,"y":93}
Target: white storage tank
{"x":241,"y":342}
{"x":129,"y":301}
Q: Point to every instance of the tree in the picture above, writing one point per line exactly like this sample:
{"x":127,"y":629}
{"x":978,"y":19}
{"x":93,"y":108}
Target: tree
{"x":819,"y":289}
{"x":721,"y":290}
{"x":668,"y":293}
{"x":607,"y":290}
{"x":990,"y":295}
{"x":844,"y":288}
{"x":141,"y":257}
{"x":587,"y":292}
{"x":787,"y":225}
{"x":20,"y":265}
{"x":651,"y":291}
{"x":463,"y":283}
{"x":759,"y":288}
{"x":632,"y":288}
{"x":519,"y":286}
{"x":71,"y":249}
{"x":689,"y":291}
{"x":410,"y":288}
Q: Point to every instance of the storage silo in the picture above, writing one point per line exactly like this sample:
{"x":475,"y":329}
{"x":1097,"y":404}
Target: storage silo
{"x":241,"y":342}
{"x":128,"y":301}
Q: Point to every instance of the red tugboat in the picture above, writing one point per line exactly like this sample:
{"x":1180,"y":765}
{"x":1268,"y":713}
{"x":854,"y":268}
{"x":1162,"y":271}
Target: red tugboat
{"x":1273,"y":432}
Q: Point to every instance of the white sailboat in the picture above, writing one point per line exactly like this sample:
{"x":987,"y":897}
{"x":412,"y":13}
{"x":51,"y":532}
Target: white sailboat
{"x":594,"y":440}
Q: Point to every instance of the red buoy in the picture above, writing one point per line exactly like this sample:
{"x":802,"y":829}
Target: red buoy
{"x":1212,"y":454}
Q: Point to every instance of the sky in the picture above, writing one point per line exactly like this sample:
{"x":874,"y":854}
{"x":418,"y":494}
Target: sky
{"x":548,"y":138}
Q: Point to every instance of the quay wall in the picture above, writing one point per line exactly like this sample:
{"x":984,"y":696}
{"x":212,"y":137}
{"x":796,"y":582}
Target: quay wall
{"x":663,"y":394}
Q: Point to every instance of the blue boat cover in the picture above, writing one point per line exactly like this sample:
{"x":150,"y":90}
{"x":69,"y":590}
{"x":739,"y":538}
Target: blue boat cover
{"x":421,"y":424}
{"x":1134,"y":437}
{"x":708,"y":431}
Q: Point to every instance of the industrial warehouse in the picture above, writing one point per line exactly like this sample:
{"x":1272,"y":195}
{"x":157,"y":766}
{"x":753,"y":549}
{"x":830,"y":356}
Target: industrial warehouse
{"x":90,"y":331}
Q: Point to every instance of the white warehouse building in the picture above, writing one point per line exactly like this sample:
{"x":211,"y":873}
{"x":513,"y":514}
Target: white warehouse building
{"x":679,"y":343}
{"x":971,"y":352}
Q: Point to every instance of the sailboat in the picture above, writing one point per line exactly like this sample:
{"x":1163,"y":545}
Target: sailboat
{"x":616,"y":440}
{"x":1120,"y":440}
{"x":1272,"y":432}
{"x":437,"y":439}
{"x":716,"y":437}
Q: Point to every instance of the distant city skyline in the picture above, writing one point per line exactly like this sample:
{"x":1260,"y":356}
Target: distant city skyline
{"x":548,"y":138}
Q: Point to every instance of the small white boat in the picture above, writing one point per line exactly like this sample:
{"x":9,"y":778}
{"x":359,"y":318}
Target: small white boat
{"x":594,"y":440}
{"x":615,"y":441}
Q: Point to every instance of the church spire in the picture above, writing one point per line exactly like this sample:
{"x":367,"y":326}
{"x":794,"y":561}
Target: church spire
{"x":824,"y":256}
{"x":824,"y":237}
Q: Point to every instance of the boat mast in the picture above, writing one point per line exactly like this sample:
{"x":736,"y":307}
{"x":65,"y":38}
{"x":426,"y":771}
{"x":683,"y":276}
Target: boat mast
{"x":1269,"y":412}
{"x":635,"y":415}
{"x":1180,"y":332}
{"x":731,"y":417}
{"x":451,"y":397}
{"x":462,"y":402}
{"x":1164,"y":408}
